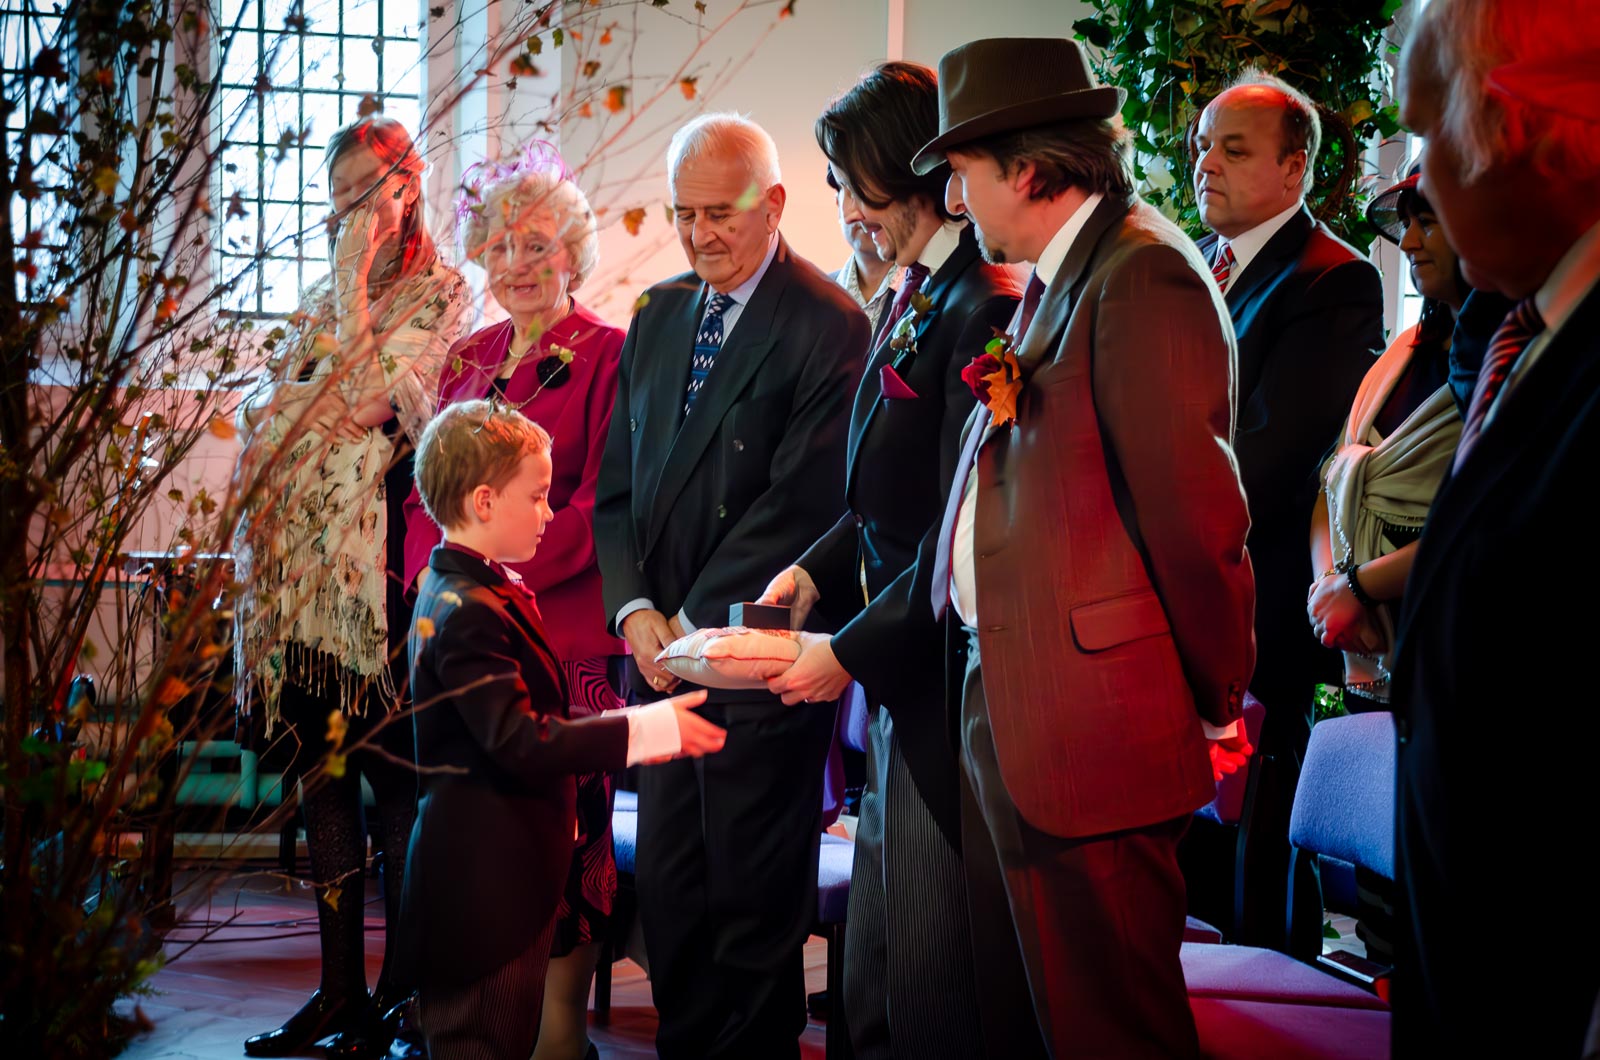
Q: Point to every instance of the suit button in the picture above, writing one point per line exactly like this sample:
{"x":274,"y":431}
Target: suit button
{"x":633,"y":425}
{"x":722,"y":511}
{"x":860,"y":521}
{"x":639,"y":566}
{"x":738,"y":445}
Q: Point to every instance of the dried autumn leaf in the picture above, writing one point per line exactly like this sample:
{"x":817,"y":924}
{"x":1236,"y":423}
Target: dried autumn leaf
{"x":170,"y":692}
{"x":369,"y":105}
{"x":338,"y":728}
{"x":522,"y":66}
{"x":788,"y":10}
{"x":605,"y":36}
{"x":332,"y":891}
{"x":1004,"y":383}
{"x":585,"y":110}
{"x":591,"y":68}
{"x":424,"y":627}
{"x":633,"y":219}
{"x":166,"y":309}
{"x":105,"y":179}
{"x":642,"y":301}
{"x":616,"y":98}
{"x":687,"y":87}
{"x":222,"y":427}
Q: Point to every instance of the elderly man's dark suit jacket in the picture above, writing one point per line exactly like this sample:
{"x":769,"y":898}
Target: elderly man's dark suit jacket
{"x":493,"y":839}
{"x":698,"y":512}
{"x":903,"y":455}
{"x":1493,"y":678}
{"x":1308,"y":314}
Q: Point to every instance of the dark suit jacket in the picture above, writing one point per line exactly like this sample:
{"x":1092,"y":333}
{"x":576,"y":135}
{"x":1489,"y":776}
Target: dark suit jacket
{"x":577,"y":413}
{"x":1114,"y":588}
{"x":493,"y":839}
{"x":1308,"y":314}
{"x":902,"y":456}
{"x":1495,"y":651}
{"x":698,"y":512}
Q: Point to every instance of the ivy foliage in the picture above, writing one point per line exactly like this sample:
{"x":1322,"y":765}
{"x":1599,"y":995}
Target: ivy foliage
{"x":1174,"y":56}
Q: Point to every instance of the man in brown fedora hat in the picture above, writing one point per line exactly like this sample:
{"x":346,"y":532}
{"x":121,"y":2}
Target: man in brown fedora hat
{"x":1089,"y":577}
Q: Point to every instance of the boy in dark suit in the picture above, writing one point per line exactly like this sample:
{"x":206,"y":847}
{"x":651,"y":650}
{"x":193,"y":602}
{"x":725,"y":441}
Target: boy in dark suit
{"x":494,"y":832}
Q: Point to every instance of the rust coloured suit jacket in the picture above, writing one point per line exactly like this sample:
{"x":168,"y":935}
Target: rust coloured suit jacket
{"x":1115,"y":594}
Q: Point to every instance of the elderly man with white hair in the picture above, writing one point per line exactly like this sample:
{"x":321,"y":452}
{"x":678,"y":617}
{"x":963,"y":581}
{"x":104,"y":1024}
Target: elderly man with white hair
{"x":1495,"y":638}
{"x":725,"y":459}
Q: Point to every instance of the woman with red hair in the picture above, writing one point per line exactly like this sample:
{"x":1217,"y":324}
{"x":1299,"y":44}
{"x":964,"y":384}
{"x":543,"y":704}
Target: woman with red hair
{"x":329,"y":435}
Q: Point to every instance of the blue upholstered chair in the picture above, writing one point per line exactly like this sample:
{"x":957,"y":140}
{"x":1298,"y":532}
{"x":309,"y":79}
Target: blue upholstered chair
{"x":1251,"y":1002}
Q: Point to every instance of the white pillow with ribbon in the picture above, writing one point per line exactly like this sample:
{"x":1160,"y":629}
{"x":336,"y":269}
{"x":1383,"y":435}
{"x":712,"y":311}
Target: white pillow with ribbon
{"x":731,"y":657}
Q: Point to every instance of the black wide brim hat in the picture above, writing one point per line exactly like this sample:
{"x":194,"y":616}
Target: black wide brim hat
{"x":1004,"y":84}
{"x":1383,"y":212}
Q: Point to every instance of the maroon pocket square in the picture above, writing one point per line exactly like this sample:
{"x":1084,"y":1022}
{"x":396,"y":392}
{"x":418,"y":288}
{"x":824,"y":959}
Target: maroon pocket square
{"x":893,"y":386}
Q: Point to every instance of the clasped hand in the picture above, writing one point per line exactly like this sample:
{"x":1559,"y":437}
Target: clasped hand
{"x":1339,"y":619}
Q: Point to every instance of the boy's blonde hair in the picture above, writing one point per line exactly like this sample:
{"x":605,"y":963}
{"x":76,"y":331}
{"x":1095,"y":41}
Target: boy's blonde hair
{"x":472,"y":444}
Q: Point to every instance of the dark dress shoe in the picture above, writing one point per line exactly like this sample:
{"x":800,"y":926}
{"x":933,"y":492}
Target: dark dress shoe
{"x":366,"y":1037}
{"x":319,"y":1017}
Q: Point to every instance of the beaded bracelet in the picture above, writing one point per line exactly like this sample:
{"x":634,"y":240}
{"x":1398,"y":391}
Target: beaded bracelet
{"x":1355,"y":587}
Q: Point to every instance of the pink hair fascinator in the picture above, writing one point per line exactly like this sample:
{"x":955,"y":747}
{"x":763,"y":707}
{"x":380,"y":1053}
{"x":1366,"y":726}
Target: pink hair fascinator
{"x":539,"y":156}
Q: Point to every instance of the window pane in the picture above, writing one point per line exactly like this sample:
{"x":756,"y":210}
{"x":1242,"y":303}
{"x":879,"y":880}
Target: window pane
{"x":361,"y":17}
{"x":283,"y":178}
{"x":236,"y":114}
{"x":280,"y":225}
{"x":360,"y":66}
{"x":280,"y":285}
{"x":238,"y":171}
{"x":281,"y":58}
{"x":242,"y":63}
{"x":401,"y":71}
{"x":239,"y":233}
{"x":322,"y":63}
{"x":400,"y":17}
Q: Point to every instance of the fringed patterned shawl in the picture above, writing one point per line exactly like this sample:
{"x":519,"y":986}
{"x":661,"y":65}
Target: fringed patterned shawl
{"x":310,"y":554}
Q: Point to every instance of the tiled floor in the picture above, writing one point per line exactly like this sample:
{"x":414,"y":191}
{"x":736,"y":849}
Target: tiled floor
{"x":247,"y":977}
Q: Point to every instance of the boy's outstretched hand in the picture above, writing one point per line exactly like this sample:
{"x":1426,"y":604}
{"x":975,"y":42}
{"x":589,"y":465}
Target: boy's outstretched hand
{"x":696,"y":735}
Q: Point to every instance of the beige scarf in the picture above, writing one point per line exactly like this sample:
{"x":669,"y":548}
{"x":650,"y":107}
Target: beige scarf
{"x":1373,"y":481}
{"x":311,"y":558}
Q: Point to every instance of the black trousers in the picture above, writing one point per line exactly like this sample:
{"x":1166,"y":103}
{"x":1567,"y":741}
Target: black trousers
{"x":910,"y":989}
{"x":1095,"y":922}
{"x":727,"y":877}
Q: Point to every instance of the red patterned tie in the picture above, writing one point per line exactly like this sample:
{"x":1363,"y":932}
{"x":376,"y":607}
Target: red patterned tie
{"x":910,"y":283}
{"x":1518,"y":329}
{"x":1222,"y":268}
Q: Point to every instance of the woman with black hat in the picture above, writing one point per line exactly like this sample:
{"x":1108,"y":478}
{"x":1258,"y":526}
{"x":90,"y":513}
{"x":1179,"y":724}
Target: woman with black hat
{"x":1397,"y":443}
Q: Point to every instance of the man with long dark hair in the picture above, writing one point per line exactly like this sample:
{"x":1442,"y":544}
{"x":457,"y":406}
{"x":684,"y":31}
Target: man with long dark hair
{"x":908,"y":976}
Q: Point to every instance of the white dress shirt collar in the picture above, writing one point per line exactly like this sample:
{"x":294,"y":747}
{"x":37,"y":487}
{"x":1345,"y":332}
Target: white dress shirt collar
{"x":1570,"y":281}
{"x":1248,"y":245}
{"x":941,"y":245}
{"x":1055,"y":252}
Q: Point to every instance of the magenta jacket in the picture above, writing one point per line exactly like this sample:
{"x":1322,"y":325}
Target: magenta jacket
{"x":577,"y":412}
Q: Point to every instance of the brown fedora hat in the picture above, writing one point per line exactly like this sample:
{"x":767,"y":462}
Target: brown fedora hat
{"x":1007,"y":83}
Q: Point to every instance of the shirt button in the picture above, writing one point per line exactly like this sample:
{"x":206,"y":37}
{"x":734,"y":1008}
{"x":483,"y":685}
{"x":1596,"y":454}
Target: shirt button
{"x":633,"y":425}
{"x":860,"y":521}
{"x":639,"y":566}
{"x":722,"y":511}
{"x":738,"y":445}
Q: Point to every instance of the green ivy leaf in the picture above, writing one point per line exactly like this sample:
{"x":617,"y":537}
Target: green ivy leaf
{"x":1094,"y":31}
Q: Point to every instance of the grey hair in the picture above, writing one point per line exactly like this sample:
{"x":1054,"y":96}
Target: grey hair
{"x":504,"y":201}
{"x":726,"y":132}
{"x":1302,"y":128}
{"x":1456,"y":46}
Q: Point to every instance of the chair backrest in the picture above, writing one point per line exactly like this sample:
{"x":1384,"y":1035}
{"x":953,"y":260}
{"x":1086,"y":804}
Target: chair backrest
{"x":1345,"y":804}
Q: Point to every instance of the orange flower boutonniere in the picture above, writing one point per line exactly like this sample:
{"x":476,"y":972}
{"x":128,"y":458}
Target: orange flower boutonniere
{"x":996,"y":378}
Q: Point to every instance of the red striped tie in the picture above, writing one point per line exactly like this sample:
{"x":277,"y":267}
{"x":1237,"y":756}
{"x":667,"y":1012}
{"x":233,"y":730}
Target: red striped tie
{"x":1515,"y":332}
{"x":1222,"y":268}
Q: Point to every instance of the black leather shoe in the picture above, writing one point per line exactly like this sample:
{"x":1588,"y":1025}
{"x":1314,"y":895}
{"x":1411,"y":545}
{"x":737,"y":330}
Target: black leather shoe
{"x":366,"y":1037}
{"x":319,"y":1017}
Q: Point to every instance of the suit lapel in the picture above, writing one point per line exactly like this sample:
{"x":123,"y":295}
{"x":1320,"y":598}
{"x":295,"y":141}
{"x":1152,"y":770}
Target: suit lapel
{"x":1061,"y":296}
{"x":737,"y":363}
{"x":518,"y":604}
{"x":661,"y":374}
{"x":1284,"y":246}
{"x":869,"y":396}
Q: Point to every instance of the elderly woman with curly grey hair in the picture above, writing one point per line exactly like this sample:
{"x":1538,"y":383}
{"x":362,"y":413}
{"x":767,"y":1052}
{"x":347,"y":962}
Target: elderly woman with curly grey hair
{"x":530,"y":227}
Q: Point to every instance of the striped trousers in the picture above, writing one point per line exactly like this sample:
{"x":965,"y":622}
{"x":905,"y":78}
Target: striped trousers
{"x":493,"y":1018}
{"x":908,"y":971}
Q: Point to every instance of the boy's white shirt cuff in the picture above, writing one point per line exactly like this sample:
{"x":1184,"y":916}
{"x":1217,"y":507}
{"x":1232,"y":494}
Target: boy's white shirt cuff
{"x":653,"y":732}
